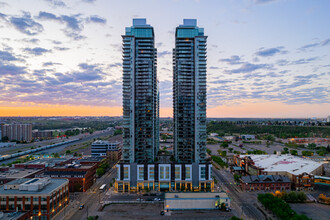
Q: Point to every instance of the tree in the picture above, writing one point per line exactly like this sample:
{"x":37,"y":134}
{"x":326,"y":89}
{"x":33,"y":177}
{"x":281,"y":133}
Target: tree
{"x":294,"y":152}
{"x":6,"y":139}
{"x":224,"y":144}
{"x":311,"y":146}
{"x":117,"y":132}
{"x":100,"y":171}
{"x":292,"y":196}
{"x":223,"y":206}
{"x":274,"y":152}
{"x":56,"y":155}
{"x":237,"y":177}
{"x":208,"y":151}
{"x":301,"y":196}
{"x":230,"y":149}
{"x":224,"y":153}
{"x":68,"y":152}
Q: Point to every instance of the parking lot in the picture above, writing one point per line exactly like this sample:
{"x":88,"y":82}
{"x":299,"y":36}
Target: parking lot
{"x":152,"y":211}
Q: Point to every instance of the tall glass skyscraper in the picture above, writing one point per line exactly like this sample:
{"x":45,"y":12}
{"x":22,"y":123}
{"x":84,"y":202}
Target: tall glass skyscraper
{"x":141,"y":169}
{"x":189,"y":93}
{"x":140,"y":94}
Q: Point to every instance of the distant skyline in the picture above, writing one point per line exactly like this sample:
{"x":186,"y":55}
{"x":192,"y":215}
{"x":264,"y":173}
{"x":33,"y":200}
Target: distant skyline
{"x":266,"y":58}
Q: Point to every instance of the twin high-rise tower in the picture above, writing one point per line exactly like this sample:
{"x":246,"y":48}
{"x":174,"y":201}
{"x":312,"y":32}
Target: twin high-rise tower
{"x":140,"y":94}
{"x":139,"y":168}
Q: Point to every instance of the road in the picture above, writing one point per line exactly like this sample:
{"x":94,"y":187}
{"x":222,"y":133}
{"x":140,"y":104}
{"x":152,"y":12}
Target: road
{"x":242,"y":199}
{"x":60,"y":148}
{"x":90,"y":199}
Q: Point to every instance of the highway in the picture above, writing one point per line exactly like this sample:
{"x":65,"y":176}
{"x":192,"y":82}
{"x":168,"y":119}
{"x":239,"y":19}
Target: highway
{"x":245,"y":202}
{"x":60,"y":148}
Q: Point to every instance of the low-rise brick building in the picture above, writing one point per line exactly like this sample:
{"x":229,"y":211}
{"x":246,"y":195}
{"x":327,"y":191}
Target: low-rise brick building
{"x":81,"y":177}
{"x":43,"y":198}
{"x":265,"y":182}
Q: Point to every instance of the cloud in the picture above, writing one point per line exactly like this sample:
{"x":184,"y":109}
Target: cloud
{"x":32,"y":41}
{"x":74,"y":23}
{"x":50,"y":64}
{"x":249,"y":67}
{"x":310,"y":76}
{"x":233,"y":60}
{"x":86,"y":85}
{"x":86,"y":66}
{"x":56,"y":3}
{"x":304,"y":61}
{"x":325,"y":42}
{"x":37,"y":51}
{"x":61,"y":48}
{"x":26,"y":24}
{"x":270,"y":51}
{"x":315,"y":45}
{"x":163,"y":53}
{"x":47,"y":16}
{"x":96,"y":19}
{"x":264,"y":1}
{"x":115,"y":65}
{"x":3,"y":4}
{"x":89,"y":1}
{"x":11,"y":69}
{"x":6,"y":56}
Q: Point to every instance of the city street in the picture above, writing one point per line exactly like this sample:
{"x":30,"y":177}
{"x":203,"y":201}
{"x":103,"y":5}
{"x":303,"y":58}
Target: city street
{"x":91,"y":200}
{"x":241,"y":202}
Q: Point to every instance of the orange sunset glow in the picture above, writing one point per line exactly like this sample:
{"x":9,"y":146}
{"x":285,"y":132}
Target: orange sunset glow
{"x":254,"y":110}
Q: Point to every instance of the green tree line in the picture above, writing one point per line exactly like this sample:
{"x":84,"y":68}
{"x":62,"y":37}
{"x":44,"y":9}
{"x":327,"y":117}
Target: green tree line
{"x":227,"y":127}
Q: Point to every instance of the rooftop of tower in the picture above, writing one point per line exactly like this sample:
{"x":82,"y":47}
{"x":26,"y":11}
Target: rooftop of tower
{"x":140,"y":22}
{"x":189,"y":29}
{"x":189,"y":23}
{"x":140,"y":29}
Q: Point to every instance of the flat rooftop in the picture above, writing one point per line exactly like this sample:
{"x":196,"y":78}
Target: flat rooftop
{"x":48,"y":161}
{"x":54,"y":184}
{"x":91,"y":159}
{"x":285,"y":163}
{"x":17,"y":173}
{"x":199,"y":195}
{"x":72,"y":166}
{"x":12,"y":215}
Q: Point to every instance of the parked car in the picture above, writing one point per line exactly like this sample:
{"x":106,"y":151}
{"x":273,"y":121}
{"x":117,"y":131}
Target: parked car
{"x":81,"y":206}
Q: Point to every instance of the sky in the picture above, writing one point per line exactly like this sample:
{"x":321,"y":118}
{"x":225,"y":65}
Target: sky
{"x":266,"y":58}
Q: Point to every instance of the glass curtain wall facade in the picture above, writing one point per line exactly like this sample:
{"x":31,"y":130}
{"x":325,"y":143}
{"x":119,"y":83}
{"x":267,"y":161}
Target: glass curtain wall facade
{"x":189,"y":93}
{"x":140,"y":94}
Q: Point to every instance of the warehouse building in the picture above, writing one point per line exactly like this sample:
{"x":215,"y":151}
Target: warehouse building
{"x":299,"y":170}
{"x":44,"y":198}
